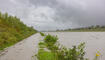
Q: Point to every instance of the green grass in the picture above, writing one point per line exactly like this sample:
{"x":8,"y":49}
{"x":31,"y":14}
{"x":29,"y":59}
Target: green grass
{"x":12,"y":30}
{"x":42,"y":34}
{"x":42,"y":45}
{"x":45,"y":55}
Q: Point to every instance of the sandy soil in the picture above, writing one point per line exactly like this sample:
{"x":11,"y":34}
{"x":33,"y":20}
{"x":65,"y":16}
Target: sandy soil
{"x":23,"y":50}
{"x":95,"y":41}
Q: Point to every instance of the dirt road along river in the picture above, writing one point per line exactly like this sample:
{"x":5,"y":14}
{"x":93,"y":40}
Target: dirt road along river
{"x":23,"y":50}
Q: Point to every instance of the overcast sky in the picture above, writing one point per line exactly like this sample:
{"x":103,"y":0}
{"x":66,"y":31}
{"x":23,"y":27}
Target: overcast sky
{"x":56,"y":14}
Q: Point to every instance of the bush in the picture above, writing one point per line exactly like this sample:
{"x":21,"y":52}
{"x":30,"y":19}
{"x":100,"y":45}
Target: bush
{"x":74,"y":53}
{"x":50,"y":40}
{"x":42,"y":34}
{"x":57,"y":52}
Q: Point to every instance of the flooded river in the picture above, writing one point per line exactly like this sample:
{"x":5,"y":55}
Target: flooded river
{"x":95,"y":41}
{"x":24,"y":50}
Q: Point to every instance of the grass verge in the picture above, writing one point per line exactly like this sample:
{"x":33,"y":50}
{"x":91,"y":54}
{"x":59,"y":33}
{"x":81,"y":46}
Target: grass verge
{"x":45,"y":55}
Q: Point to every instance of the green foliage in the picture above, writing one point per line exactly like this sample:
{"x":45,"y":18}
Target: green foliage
{"x":74,"y":53}
{"x":12,"y":30}
{"x":42,"y":45}
{"x":42,"y":34}
{"x":57,"y":52}
{"x":45,"y":55}
{"x":50,"y":40}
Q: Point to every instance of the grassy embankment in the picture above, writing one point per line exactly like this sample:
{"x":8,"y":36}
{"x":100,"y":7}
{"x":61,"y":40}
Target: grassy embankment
{"x":12,"y":30}
{"x":50,"y":49}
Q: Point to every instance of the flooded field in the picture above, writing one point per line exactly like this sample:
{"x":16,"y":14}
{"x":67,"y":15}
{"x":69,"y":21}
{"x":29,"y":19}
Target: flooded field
{"x":95,"y":41}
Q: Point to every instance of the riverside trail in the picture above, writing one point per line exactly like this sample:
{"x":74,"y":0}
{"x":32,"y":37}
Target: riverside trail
{"x":23,"y":50}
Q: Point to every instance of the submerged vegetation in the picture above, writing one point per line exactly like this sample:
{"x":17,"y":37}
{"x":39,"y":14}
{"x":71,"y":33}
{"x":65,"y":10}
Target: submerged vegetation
{"x":12,"y":30}
{"x":50,"y":49}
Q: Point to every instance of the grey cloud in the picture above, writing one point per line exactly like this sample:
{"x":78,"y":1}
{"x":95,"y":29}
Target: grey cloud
{"x":50,"y":3}
{"x":56,"y":14}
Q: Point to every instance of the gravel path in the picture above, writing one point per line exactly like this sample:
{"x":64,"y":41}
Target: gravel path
{"x":23,"y":50}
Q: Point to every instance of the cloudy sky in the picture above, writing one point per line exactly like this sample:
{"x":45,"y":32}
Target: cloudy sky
{"x":56,"y":14}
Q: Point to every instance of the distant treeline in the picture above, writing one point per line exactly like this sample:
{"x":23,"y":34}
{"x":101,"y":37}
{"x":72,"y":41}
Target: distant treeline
{"x":12,"y":30}
{"x":90,"y":28}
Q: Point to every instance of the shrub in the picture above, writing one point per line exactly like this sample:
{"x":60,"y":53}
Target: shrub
{"x":50,"y":40}
{"x":58,"y":52}
{"x":74,"y":53}
{"x":42,"y":34}
{"x":61,"y":52}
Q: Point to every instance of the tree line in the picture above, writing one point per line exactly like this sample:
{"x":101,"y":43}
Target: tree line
{"x":89,"y":28}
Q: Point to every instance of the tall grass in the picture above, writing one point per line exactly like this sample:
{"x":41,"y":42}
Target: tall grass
{"x":12,"y":30}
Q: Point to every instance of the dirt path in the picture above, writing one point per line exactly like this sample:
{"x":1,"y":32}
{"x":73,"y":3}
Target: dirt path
{"x":23,"y":50}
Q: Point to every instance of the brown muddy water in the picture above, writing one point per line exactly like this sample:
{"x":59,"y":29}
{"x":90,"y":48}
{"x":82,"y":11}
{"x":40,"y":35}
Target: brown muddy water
{"x":24,"y":50}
